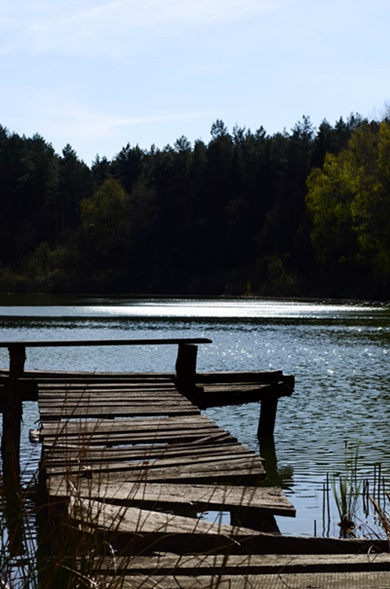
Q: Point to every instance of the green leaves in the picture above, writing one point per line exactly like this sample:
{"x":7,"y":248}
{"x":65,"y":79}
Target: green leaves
{"x":349,"y":200}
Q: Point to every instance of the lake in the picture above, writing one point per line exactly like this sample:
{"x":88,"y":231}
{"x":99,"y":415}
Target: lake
{"x":338,"y":352}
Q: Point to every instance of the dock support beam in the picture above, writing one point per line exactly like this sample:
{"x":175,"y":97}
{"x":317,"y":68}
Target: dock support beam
{"x":268,"y":408}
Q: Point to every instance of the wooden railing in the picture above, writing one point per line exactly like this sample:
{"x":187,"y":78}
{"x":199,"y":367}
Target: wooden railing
{"x":17,"y":349}
{"x":13,"y":394}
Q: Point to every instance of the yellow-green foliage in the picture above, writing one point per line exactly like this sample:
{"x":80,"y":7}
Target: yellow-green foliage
{"x":349,"y":200}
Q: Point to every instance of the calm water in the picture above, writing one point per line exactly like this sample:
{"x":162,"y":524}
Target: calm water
{"x":339,"y":354}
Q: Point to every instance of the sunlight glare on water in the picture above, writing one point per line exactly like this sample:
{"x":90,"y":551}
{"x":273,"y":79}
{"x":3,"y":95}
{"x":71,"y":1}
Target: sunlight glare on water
{"x":191,"y":308}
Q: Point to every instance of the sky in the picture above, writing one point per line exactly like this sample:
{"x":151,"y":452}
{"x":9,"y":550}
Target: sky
{"x":101,"y":74}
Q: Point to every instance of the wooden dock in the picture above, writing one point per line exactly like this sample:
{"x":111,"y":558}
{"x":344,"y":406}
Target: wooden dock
{"x":140,"y":489}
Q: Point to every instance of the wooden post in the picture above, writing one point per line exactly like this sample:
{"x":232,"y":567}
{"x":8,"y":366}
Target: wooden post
{"x":186,"y":362}
{"x":12,"y":415}
{"x":268,"y":453}
{"x":267,"y":419}
{"x":10,"y":450}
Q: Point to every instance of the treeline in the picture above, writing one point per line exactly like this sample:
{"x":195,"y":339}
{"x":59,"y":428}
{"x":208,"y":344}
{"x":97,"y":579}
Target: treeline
{"x":299,"y":213}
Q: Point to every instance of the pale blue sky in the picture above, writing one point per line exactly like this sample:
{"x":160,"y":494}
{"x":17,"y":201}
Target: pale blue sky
{"x":99,"y":74}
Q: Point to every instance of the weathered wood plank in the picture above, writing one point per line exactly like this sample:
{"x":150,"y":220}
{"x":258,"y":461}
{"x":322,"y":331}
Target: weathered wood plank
{"x":108,"y":426}
{"x":121,"y":411}
{"x":240,"y":387}
{"x":58,"y":382}
{"x":157,"y":461}
{"x":334,"y":580}
{"x":238,"y":469}
{"x":132,"y":395}
{"x":96,"y":387}
{"x":200,"y":497}
{"x":60,"y":455}
{"x":117,"y":406}
{"x":118,"y":399}
{"x":104,"y":342}
{"x":133,"y":520}
{"x":240,"y":376}
{"x":111,"y":396}
{"x":156,"y":464}
{"x":233,"y":564}
{"x":196,"y":435}
{"x":116,"y":403}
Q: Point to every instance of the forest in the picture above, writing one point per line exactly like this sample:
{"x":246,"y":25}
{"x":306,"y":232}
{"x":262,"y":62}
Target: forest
{"x":304,"y":213}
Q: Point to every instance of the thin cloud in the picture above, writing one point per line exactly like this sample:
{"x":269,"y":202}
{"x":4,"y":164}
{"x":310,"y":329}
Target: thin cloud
{"x":79,"y":122}
{"x":89,"y":25}
{"x":151,"y":12}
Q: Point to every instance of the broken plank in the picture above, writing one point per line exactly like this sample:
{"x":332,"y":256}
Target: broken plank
{"x":249,"y":470}
{"x":155,"y":464}
{"x":161,"y":530}
{"x":60,"y":455}
{"x":146,"y":531}
{"x":201,"y":497}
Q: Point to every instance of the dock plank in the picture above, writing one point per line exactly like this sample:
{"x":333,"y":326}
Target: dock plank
{"x":96,"y":411}
{"x":124,"y":438}
{"x":237,"y":469}
{"x":201,"y":497}
{"x":234,"y":564}
{"x":99,"y":426}
{"x":61,"y":456}
{"x":337,"y":580}
{"x":133,"y":520}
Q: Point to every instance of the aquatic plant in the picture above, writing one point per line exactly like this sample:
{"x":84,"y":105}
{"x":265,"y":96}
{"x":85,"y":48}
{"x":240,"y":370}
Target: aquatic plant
{"x":346,"y":487}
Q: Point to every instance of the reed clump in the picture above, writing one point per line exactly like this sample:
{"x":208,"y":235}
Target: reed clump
{"x":346,"y":487}
{"x":356,"y":496}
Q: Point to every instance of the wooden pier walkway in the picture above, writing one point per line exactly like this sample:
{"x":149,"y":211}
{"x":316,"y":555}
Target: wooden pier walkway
{"x":152,"y":493}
